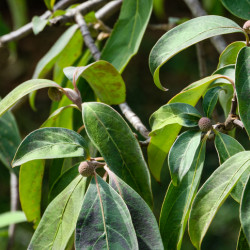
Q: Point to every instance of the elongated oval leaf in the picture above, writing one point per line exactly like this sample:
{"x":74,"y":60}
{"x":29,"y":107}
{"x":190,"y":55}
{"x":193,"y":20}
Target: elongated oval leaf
{"x":230,"y":53}
{"x":103,"y":78}
{"x":185,"y":35}
{"x":59,"y":219}
{"x":48,"y":143}
{"x":144,"y":222}
{"x":9,"y":218}
{"x":127,"y":34}
{"x":239,"y":8}
{"x":22,"y":90}
{"x":181,"y":113}
{"x":182,"y":153}
{"x":30,"y":189}
{"x":177,"y":203}
{"x":213,"y":193}
{"x":162,"y":140}
{"x":210,"y":100}
{"x":242,"y":84}
{"x":104,"y":221}
{"x":245,"y":211}
{"x":117,"y":144}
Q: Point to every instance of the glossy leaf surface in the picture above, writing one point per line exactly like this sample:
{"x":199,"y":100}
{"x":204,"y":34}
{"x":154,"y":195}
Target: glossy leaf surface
{"x":242,"y":84}
{"x":9,"y":218}
{"x":22,"y":90}
{"x":60,"y":217}
{"x":239,"y":8}
{"x":230,"y":53}
{"x":162,"y":140}
{"x":210,"y":100}
{"x":127,"y":34}
{"x":48,"y":143}
{"x":185,"y":35}
{"x":182,"y":153}
{"x":181,"y":113}
{"x":245,"y":211}
{"x":213,"y":193}
{"x":118,"y":146}
{"x":103,"y":78}
{"x":178,"y":200}
{"x":30,"y":189}
{"x":144,"y":222}
{"x":104,"y":221}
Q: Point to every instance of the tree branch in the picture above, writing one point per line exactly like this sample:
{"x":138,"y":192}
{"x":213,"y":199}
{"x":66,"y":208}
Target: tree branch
{"x":201,"y":59}
{"x":197,"y":10}
{"x":126,"y":110}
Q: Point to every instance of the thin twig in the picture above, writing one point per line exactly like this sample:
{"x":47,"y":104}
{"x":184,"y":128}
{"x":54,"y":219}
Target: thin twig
{"x":126,"y":110}
{"x":108,"y":10}
{"x":201,"y":59}
{"x":14,"y":197}
{"x":197,"y":10}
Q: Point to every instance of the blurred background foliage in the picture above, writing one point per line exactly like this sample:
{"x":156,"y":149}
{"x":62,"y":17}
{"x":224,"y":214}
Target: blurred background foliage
{"x":17,"y":64}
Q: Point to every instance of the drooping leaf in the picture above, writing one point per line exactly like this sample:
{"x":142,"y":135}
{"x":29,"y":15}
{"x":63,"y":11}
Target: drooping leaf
{"x":22,"y":90}
{"x":127,"y":34}
{"x":242,"y":243}
{"x":185,"y":35}
{"x":213,"y":193}
{"x":9,"y":138}
{"x":12,"y":217}
{"x":245,"y":211}
{"x":210,"y":100}
{"x":38,"y":24}
{"x":118,"y":146}
{"x":103,"y":78}
{"x":162,"y":140}
{"x":225,"y":98}
{"x":63,"y":181}
{"x":144,"y":222}
{"x":230,"y":53}
{"x":239,"y":8}
{"x":181,"y":113}
{"x":30,"y":189}
{"x":178,"y":200}
{"x":181,"y":155}
{"x":228,"y":70}
{"x":60,"y":217}
{"x":104,"y":221}
{"x":242,"y":84}
{"x":48,"y":143}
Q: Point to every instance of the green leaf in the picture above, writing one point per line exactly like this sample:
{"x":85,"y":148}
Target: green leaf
{"x":144,"y":222}
{"x":118,"y":146}
{"x":104,"y":221}
{"x":177,"y":203}
{"x":63,"y":181}
{"x":127,"y":34}
{"x":23,"y":89}
{"x":226,"y":146}
{"x":242,"y":243}
{"x":213,"y":193}
{"x":49,"y":4}
{"x":185,"y":35}
{"x":245,"y":211}
{"x":162,"y":140}
{"x":30,"y":189}
{"x":38,"y":24}
{"x":9,"y":218}
{"x":53,"y":118}
{"x":10,"y":138}
{"x":210,"y":100}
{"x":225,"y":98}
{"x":181,"y":113}
{"x":59,"y":219}
{"x":239,"y":8}
{"x":103,"y":78}
{"x":230,"y":53}
{"x":242,"y":84}
{"x":49,"y":143}
{"x":182,"y":154}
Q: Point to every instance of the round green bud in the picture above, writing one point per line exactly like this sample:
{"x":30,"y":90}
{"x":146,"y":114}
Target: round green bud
{"x":86,"y":168}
